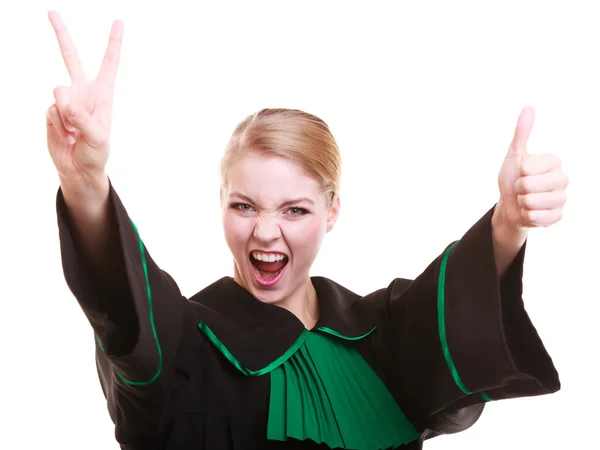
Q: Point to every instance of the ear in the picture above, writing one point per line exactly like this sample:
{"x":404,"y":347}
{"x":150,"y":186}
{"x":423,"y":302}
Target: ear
{"x":334,"y":212}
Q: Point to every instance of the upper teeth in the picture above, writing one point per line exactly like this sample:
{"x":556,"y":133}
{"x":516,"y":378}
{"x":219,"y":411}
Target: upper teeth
{"x":267,"y":257}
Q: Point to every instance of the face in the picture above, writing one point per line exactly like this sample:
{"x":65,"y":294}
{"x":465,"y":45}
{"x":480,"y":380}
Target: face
{"x":275,"y":218}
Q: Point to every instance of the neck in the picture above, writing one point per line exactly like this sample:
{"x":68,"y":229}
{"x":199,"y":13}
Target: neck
{"x":303,"y":304}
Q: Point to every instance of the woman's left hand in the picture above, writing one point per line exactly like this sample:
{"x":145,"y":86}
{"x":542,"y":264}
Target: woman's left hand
{"x":532,"y":187}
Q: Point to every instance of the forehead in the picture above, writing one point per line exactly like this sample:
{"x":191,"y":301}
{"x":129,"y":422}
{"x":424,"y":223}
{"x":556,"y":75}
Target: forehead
{"x":270,"y":178}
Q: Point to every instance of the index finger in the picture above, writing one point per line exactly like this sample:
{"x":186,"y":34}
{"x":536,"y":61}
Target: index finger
{"x":67,"y":48}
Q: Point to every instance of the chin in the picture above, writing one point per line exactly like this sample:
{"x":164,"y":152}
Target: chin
{"x":271,"y":297}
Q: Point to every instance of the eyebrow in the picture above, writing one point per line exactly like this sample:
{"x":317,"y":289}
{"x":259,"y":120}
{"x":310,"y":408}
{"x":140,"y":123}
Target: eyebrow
{"x":294,"y":201}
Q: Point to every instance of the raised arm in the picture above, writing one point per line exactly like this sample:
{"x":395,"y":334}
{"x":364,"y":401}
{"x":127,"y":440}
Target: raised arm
{"x":459,"y":336}
{"x":78,"y":128}
{"x":135,"y":308}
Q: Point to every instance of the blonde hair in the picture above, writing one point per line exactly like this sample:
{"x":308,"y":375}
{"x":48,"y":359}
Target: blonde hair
{"x":293,"y":134}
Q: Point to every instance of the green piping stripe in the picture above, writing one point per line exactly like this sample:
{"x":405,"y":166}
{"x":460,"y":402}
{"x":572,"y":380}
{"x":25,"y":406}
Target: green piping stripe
{"x":341,"y":336}
{"x":99,"y":343}
{"x":151,"y":316}
{"x":152,"y":324}
{"x":238,"y":365}
{"x":442,"y":325}
{"x":442,"y":322}
{"x":279,"y":361}
{"x":486,"y":397}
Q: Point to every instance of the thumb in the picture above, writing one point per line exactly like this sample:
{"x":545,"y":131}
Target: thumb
{"x":518,"y":146}
{"x":89,"y":128}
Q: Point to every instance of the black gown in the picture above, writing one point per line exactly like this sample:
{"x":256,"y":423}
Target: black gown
{"x":200,"y":373}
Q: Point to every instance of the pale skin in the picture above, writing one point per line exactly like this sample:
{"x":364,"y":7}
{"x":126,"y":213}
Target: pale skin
{"x":532,"y":189}
{"x":285,"y":212}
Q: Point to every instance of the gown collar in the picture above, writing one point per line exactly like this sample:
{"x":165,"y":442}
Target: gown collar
{"x":256,"y":333}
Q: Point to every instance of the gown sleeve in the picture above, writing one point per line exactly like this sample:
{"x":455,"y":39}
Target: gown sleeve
{"x":137,"y":327}
{"x":458,"y":336}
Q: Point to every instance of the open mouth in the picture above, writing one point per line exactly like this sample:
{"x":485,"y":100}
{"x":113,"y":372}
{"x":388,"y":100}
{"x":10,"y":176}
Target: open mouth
{"x":268,"y":267}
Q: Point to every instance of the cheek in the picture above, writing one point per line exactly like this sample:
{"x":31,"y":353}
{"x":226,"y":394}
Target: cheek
{"x":305,"y":241}
{"x":237,"y":231}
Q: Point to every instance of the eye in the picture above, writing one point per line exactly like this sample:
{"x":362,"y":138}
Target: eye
{"x":242,"y":207}
{"x":296,"y":211}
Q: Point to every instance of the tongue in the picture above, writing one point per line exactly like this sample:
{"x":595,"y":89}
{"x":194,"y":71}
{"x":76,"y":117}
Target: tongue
{"x":275,"y":266}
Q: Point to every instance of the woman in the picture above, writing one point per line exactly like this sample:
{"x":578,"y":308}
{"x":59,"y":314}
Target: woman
{"x":271,"y":358}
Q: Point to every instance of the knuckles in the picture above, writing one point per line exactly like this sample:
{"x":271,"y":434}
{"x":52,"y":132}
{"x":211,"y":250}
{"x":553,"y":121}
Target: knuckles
{"x":526,"y":201}
{"x":538,"y":164}
{"x":523,"y":185}
{"x":545,"y":182}
{"x":543,"y":200}
{"x":528,"y":216}
{"x":541,"y":218}
{"x":61,"y":94}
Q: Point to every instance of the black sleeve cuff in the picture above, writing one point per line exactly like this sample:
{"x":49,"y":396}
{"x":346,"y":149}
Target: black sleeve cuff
{"x":491,"y":340}
{"x":137,"y":327}
{"x":457,"y":336}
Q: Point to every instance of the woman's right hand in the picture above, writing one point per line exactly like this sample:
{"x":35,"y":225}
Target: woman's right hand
{"x":79,"y":122}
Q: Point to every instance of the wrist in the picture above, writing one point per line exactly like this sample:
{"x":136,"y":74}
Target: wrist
{"x":505,"y":232}
{"x":88,"y":191}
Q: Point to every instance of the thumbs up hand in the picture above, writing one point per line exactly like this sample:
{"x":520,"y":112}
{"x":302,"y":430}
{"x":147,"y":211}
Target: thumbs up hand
{"x":532,"y":187}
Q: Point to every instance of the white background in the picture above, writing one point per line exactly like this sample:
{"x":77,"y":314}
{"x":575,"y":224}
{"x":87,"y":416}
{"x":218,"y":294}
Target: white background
{"x":423,"y":101}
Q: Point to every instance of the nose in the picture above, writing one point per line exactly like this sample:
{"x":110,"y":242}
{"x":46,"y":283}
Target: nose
{"x":266,"y":229}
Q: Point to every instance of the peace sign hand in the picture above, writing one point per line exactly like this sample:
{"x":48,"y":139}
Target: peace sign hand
{"x":78,"y":123}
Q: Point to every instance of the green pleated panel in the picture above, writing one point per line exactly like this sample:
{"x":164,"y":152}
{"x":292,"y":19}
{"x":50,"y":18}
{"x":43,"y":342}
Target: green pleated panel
{"x":326,"y":392}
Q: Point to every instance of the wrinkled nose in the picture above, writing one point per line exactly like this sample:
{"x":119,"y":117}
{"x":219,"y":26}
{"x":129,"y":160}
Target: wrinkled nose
{"x":266,"y":230}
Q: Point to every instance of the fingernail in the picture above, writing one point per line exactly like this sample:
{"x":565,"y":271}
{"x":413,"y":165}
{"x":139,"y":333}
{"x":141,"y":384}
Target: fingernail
{"x":71,"y":139}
